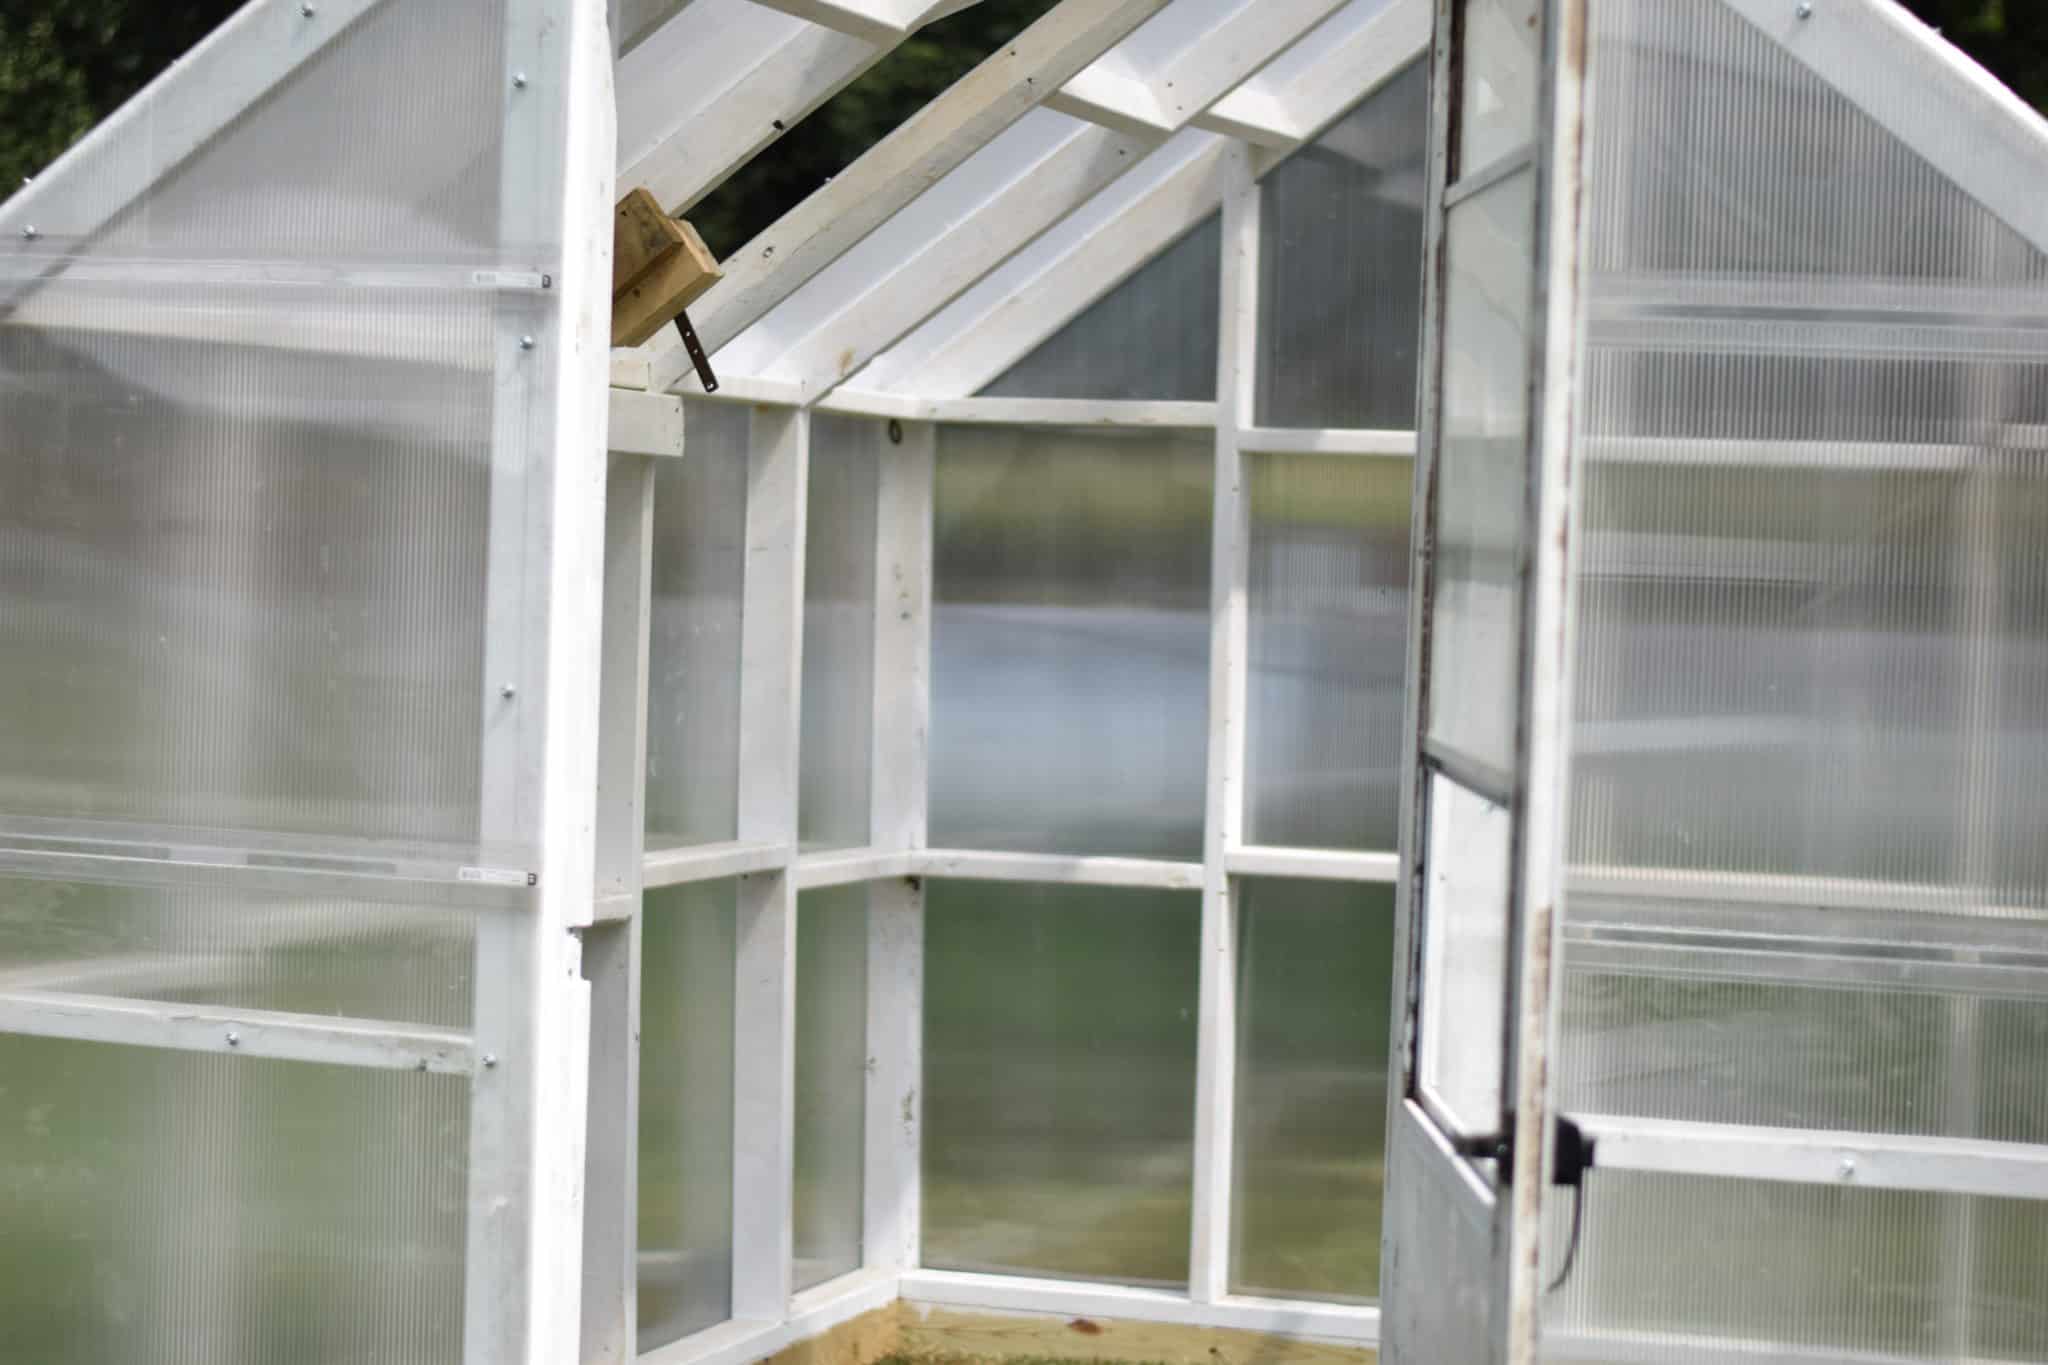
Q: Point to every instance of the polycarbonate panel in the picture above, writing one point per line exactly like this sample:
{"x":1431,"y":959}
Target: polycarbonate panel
{"x":1482,"y":472}
{"x":1500,"y":63}
{"x":687,"y":953}
{"x":831,"y":1080}
{"x":215,"y":945}
{"x":1152,"y":337}
{"x":1328,"y":648}
{"x":1340,"y":267}
{"x":1315,"y":975}
{"x":173,"y":1206}
{"x":246,"y":436}
{"x":1465,"y":956}
{"x":1869,"y":1060}
{"x":839,"y":630}
{"x":1070,"y":649}
{"x":1677,"y":1269}
{"x":1814,"y":622}
{"x":1059,"y":1079}
{"x":693,"y":671}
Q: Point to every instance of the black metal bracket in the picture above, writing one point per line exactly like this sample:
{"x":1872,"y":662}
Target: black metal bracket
{"x":1571,"y":1151}
{"x":695,"y":348}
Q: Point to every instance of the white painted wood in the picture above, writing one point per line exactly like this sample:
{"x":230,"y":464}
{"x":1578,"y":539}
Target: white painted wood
{"x":1021,"y":182}
{"x":629,"y":370}
{"x":739,"y":388}
{"x":1880,"y":1161}
{"x":645,"y":423}
{"x":873,"y":20}
{"x":771,"y":624}
{"x":815,"y":1311}
{"x":1923,"y":91}
{"x":523,"y":1267}
{"x":244,"y":1033}
{"x":892,"y":1181}
{"x":899,"y":770}
{"x":901,"y":752}
{"x":764,"y":996}
{"x":1337,"y":1324}
{"x":1349,"y":56}
{"x":198,"y":95}
{"x":971,"y":226}
{"x":708,"y":90}
{"x":712,"y":862}
{"x":973,"y":340}
{"x":848,"y":867}
{"x":1111,"y":99}
{"x":611,"y":946}
{"x":1312,"y":864}
{"x":573,"y":40}
{"x":1056,"y":412}
{"x":926,"y":147}
{"x":1216,"y":1031}
{"x":1325,"y":441}
{"x":1061,"y":869}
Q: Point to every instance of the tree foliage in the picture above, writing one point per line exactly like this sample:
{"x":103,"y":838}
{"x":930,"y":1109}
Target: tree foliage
{"x":66,"y":64}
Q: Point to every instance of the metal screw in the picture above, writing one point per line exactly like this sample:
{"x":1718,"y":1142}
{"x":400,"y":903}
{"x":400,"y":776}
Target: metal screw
{"x":30,"y":231}
{"x":1803,"y":9}
{"x":234,"y":1040}
{"x":308,"y":9}
{"x":526,"y":343}
{"x":508,"y":691}
{"x":519,"y":80}
{"x":490,"y":1060}
{"x":1847,"y":1170}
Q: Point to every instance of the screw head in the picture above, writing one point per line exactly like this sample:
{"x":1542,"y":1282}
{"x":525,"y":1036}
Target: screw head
{"x":526,"y":343}
{"x":508,"y":691}
{"x":234,"y":1040}
{"x":519,"y":80}
{"x":1803,"y":9}
{"x":31,"y":232}
{"x":308,"y":9}
{"x":1847,"y":1170}
{"x":490,"y":1060}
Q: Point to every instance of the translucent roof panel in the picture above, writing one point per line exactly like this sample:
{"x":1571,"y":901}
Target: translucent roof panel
{"x":1340,"y":269}
{"x":1153,"y":336}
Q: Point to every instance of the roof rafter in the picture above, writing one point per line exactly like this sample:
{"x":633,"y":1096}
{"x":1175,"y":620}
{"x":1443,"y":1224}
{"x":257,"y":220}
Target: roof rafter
{"x":1001,"y":199}
{"x":895,"y":170}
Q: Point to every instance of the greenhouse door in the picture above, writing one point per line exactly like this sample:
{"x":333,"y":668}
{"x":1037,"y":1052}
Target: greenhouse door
{"x":1470,"y":1128}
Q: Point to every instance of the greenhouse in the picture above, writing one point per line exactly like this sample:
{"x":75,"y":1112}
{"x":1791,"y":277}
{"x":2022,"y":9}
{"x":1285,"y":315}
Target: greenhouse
{"x":1294,"y":680}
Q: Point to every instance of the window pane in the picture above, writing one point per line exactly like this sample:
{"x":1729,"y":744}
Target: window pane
{"x":688,"y":938}
{"x":1315,"y":974}
{"x":246,"y":526}
{"x":1329,"y":643}
{"x":1059,"y":1073}
{"x":839,"y":630}
{"x":1732,"y":1050}
{"x":693,"y":682}
{"x":1340,"y":267}
{"x":1465,"y":956}
{"x":1482,"y":473}
{"x":831,"y":1080}
{"x":1790,"y":1271}
{"x":216,"y":945}
{"x":1070,"y":651}
{"x":1497,"y":100}
{"x":177,"y":1205}
{"x":1152,"y":337}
